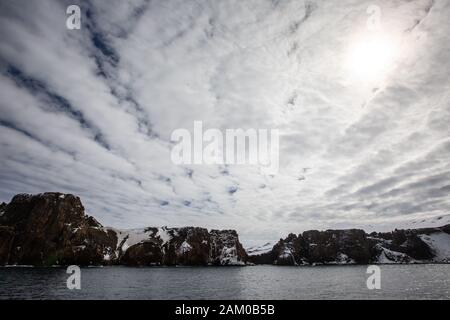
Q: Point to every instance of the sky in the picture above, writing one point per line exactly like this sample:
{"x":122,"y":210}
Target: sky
{"x":359,"y":91}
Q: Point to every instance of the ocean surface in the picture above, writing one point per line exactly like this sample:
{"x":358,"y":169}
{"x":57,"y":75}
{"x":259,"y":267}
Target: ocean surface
{"x":252,"y":282}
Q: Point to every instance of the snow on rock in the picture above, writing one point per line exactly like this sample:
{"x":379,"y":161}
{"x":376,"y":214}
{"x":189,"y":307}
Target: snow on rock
{"x":178,"y":246}
{"x":286,"y":256}
{"x":84,"y":241}
{"x":342,"y":258}
{"x":226,"y":248}
{"x":354,"y":246}
{"x":387,"y":256}
{"x":229,"y":256}
{"x":185,"y":247}
{"x":256,"y":249}
{"x":440,"y":244}
{"x":128,"y":238}
{"x":432,"y":222}
{"x":2,"y":208}
{"x":412,"y":223}
{"x":164,"y":235}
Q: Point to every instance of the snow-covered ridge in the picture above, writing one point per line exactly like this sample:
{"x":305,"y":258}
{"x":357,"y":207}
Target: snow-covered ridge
{"x":259,"y":248}
{"x":411,"y":223}
{"x":428,"y":222}
{"x":131,"y":237}
{"x":439,"y":244}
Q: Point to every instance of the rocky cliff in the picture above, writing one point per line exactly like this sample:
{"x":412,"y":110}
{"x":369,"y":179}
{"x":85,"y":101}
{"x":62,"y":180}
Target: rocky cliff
{"x":52,"y":229}
{"x":353,"y":246}
{"x":178,"y":246}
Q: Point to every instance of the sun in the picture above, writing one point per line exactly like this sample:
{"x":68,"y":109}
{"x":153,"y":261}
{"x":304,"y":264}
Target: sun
{"x":371,"y":58}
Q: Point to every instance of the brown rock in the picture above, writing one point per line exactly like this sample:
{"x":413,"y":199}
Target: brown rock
{"x":51,"y":228}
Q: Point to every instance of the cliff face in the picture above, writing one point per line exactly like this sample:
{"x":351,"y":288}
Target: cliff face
{"x":354,"y":246}
{"x":179,"y":246}
{"x":52,"y":229}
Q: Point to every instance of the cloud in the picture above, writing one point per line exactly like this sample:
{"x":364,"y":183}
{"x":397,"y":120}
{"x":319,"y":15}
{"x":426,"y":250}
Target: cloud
{"x":91,"y":111}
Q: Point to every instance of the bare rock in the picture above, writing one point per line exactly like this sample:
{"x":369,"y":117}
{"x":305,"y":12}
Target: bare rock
{"x":52,"y":229}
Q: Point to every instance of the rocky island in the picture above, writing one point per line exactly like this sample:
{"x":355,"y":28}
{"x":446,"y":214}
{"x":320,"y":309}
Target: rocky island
{"x":52,"y":229}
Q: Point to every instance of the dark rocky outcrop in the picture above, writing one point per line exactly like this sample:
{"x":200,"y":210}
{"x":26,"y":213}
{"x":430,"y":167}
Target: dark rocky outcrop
{"x":354,"y":246}
{"x":407,"y":242}
{"x":6,"y":241}
{"x":226,"y":248}
{"x":52,"y":229}
{"x":181,"y":246}
{"x":147,"y":253}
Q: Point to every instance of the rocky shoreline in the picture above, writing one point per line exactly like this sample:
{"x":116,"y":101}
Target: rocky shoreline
{"x":52,"y":229}
{"x":354,"y":246}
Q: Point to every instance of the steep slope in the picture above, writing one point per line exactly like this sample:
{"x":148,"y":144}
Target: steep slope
{"x":51,"y":228}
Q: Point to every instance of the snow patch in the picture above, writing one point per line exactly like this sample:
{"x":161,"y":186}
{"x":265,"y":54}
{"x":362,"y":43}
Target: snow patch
{"x":185,"y":247}
{"x":286,"y":253}
{"x":260,"y":249}
{"x":389,"y":257}
{"x":229,"y":256}
{"x":128,"y":238}
{"x":164,"y":235}
{"x":440,"y":244}
{"x":342,"y":258}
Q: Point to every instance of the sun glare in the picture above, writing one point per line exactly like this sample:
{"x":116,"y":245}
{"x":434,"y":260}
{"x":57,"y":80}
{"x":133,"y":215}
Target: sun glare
{"x":372,"y":58}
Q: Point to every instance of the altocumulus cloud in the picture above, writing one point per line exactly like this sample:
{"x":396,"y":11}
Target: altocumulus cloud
{"x":91,"y":111}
